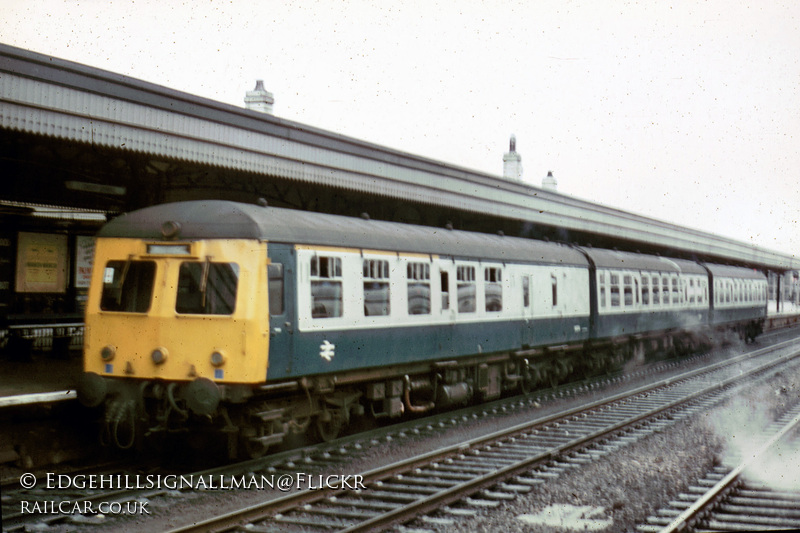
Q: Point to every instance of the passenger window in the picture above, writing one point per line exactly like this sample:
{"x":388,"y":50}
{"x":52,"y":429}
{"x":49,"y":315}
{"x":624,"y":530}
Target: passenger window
{"x":465,"y":275}
{"x":665,"y":291}
{"x":676,"y":292}
{"x":444,"y":279}
{"x":493,"y":289}
{"x":207,"y":288}
{"x":275,"y":286}
{"x":376,"y":287}
{"x":615,"y":300}
{"x":326,"y":287}
{"x":128,"y":286}
{"x":601,"y":282}
{"x":554,"y":283}
{"x":692,"y":298}
{"x":645,"y":290}
{"x":419,"y":288}
{"x":526,"y":291}
{"x":656,"y":291}
{"x":628,"y":291}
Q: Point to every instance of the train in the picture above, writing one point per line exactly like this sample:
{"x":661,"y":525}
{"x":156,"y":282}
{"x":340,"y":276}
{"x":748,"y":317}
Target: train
{"x":253,"y":323}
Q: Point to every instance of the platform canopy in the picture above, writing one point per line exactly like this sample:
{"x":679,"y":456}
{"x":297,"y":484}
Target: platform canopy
{"x":131,"y":130}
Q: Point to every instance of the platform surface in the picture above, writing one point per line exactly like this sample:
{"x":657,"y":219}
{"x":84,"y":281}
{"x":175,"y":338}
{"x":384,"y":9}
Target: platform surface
{"x":41,"y":374}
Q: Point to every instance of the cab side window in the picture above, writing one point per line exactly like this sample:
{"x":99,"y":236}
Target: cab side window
{"x":275,"y":275}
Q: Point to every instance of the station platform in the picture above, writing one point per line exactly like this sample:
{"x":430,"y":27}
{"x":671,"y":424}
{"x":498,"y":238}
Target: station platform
{"x":43,"y":377}
{"x":40,"y":378}
{"x":787,"y":308}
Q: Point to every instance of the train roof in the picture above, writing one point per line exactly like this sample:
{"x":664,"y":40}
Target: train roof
{"x":218,"y":219}
{"x":634,"y":261}
{"x":728,"y":271}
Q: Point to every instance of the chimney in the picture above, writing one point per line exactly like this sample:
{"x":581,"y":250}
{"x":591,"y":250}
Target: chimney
{"x":259,"y":99}
{"x":549,"y":182}
{"x":512,"y":162}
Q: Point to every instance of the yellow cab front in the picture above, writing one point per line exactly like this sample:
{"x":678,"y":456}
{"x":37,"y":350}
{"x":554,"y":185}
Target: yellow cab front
{"x":178,"y":311}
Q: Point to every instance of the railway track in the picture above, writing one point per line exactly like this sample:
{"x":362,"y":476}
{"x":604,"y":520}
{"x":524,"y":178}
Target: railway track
{"x":455,"y":480}
{"x":313,"y":458}
{"x":727,"y":500}
{"x":329,"y":458}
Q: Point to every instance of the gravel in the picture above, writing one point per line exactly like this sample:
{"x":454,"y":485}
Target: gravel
{"x":617,"y":492}
{"x":621,"y":490}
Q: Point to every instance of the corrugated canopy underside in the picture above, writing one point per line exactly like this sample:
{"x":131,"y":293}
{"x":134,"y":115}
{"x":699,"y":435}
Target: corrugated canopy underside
{"x":47,"y":96}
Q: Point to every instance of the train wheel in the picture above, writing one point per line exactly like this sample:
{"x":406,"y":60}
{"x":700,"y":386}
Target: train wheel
{"x":552,"y":376}
{"x":257,"y":437}
{"x":329,"y":425}
{"x":526,"y":384}
{"x":254,"y":448}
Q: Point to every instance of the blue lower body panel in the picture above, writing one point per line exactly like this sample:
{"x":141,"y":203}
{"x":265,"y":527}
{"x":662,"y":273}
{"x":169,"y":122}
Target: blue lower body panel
{"x":721,"y":316}
{"x":634,"y":323}
{"x":322,"y":352}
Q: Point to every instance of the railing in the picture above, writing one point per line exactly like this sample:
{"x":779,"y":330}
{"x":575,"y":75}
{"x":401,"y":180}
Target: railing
{"x":22,"y":335}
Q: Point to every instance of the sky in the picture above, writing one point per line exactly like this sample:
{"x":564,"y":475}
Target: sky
{"x":684,"y":111}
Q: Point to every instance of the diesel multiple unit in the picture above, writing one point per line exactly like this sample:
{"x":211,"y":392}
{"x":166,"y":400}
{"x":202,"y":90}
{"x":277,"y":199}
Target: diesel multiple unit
{"x":256,"y":322}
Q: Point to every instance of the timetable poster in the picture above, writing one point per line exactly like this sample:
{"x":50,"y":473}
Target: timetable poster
{"x":42,"y":263}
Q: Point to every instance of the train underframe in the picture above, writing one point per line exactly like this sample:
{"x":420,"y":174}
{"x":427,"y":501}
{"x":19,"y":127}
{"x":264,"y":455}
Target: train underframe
{"x":252,"y":419}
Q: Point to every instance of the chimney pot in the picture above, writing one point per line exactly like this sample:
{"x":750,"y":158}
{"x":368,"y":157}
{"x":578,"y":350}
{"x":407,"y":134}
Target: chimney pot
{"x":259,"y":99}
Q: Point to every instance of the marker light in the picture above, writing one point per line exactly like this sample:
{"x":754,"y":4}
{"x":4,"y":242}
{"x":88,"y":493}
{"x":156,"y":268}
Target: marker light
{"x":217,"y":358}
{"x":159,"y":355}
{"x":108,"y":352}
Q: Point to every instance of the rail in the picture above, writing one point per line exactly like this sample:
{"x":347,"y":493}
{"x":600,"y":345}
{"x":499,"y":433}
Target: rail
{"x":701,"y":510}
{"x":407,"y":503}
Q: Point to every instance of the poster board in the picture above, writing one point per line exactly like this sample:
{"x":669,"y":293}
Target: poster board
{"x":84,"y":257}
{"x":41,"y":263}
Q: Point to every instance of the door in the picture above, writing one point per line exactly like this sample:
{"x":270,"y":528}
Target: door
{"x":529,"y":334}
{"x":282,"y":309}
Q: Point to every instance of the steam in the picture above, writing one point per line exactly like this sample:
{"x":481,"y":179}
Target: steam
{"x":742,"y":429}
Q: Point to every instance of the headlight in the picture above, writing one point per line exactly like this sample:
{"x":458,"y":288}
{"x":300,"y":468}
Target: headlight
{"x":217,"y":358}
{"x":108,"y":352}
{"x":159,"y":355}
